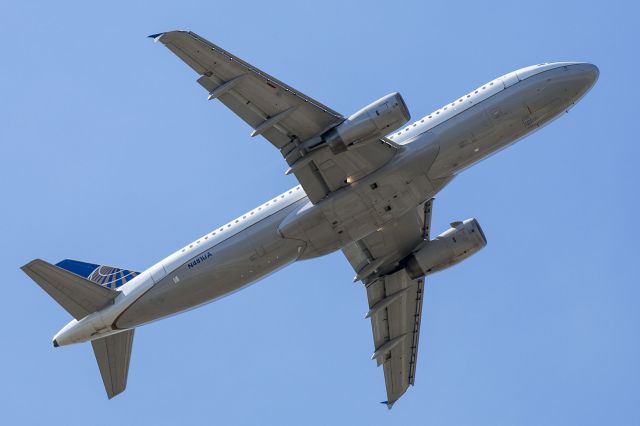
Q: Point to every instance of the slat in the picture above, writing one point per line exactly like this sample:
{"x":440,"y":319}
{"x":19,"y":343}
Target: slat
{"x":282,"y":115}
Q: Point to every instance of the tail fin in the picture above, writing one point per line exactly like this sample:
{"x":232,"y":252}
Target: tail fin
{"x":106,"y":276}
{"x":83,"y":288}
{"x":79,"y":296}
{"x":113,"y":354}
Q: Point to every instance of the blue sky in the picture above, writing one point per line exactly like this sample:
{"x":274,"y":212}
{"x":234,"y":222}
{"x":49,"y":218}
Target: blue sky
{"x":111,"y":154}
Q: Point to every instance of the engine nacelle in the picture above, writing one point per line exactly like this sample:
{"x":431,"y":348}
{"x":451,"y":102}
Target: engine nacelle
{"x":452,"y":246}
{"x":373,"y":121}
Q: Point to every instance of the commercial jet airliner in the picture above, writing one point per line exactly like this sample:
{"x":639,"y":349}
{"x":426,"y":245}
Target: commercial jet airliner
{"x":366,"y":187}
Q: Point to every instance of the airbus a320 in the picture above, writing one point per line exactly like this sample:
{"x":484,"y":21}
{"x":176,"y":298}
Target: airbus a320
{"x":366,"y":187}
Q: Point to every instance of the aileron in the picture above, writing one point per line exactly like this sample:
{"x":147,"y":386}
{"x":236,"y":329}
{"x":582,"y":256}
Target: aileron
{"x":300,"y":127}
{"x":395,"y":299}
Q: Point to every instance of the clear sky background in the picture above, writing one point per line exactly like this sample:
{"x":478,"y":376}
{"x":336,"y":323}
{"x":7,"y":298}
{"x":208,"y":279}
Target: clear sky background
{"x":111,"y":154}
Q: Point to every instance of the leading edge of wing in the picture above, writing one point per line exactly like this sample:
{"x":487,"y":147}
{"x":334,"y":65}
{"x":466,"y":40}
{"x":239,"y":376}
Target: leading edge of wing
{"x":157,"y":37}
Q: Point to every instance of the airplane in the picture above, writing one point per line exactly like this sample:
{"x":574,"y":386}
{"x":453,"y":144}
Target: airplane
{"x":367,"y":182}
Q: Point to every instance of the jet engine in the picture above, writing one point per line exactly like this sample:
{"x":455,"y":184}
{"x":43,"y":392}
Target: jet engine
{"x":452,"y":246}
{"x":373,"y":121}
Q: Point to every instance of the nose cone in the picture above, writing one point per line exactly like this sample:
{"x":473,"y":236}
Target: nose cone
{"x":588,"y":72}
{"x":583,"y":75}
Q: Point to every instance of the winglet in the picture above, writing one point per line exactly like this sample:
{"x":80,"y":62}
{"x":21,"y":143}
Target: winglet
{"x":156,"y":37}
{"x":388,"y":404}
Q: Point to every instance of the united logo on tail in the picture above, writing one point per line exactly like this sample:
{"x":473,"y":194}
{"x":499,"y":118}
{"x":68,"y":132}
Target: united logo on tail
{"x":107,"y":276}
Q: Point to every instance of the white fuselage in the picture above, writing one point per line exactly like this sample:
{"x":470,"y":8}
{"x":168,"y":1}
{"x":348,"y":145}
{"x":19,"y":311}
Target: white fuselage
{"x":289,"y":228}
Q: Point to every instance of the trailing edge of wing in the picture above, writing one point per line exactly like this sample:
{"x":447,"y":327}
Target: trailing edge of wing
{"x":395,"y":300}
{"x":284,"y":116}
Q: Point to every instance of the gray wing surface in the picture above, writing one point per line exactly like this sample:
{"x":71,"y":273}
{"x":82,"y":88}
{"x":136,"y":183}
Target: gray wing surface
{"x":395,"y":300}
{"x":290,"y":120}
{"x":113,"y":354}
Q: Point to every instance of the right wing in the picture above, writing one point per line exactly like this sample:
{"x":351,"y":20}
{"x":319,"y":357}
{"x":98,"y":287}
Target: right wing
{"x":395,"y":299}
{"x":290,"y":120}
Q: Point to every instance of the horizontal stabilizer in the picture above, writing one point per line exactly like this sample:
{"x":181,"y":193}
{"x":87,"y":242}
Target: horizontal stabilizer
{"x":113,"y":354}
{"x":79,"y":296}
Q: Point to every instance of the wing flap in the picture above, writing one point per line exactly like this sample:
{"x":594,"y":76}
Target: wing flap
{"x":400,"y":318}
{"x":394,"y":298}
{"x":255,"y":98}
{"x":290,"y":120}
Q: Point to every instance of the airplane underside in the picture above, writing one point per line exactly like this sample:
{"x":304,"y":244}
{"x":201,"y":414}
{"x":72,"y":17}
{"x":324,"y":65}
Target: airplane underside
{"x":367,"y":184}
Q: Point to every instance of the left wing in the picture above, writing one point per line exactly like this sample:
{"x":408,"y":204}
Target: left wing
{"x":395,"y":300}
{"x":290,"y":120}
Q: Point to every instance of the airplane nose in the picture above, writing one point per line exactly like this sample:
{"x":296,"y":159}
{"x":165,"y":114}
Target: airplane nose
{"x":585,"y":74}
{"x":590,"y":71}
{"x":576,"y":80}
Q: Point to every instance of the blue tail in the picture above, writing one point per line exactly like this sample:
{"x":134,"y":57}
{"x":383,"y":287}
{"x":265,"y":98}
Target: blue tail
{"x":107,"y":276}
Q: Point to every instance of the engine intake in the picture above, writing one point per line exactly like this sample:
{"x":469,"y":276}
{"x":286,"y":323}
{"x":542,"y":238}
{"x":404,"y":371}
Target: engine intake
{"x":452,"y":246}
{"x":373,"y":121}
